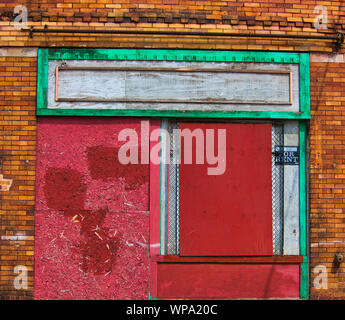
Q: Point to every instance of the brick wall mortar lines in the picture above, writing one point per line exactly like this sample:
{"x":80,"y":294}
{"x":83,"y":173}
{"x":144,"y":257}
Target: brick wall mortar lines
{"x":17,"y":163}
{"x":9,"y":36}
{"x":327,"y":175}
{"x":290,"y":17}
{"x":262,"y":13}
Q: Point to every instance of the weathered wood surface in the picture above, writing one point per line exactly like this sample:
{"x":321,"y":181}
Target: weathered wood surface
{"x":291,"y":194}
{"x":169,"y":86}
{"x":241,"y":86}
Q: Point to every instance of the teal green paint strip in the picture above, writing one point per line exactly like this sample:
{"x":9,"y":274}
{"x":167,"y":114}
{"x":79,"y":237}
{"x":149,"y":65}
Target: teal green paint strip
{"x":178,"y":55}
{"x":150,"y":297}
{"x":173,"y":113}
{"x":42,"y":79}
{"x":303,"y":211}
{"x":303,"y":197}
{"x":173,"y":55}
{"x":304,"y":73}
{"x":305,"y":108}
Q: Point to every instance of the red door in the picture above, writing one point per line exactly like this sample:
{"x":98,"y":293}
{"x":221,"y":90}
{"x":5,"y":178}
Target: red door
{"x":231,"y":213}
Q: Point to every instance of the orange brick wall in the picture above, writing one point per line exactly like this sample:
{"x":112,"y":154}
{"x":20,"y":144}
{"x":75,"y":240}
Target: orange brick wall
{"x":18,"y":90}
{"x":285,"y":14}
{"x":327,"y":174}
{"x":17,"y":163}
{"x":265,"y":16}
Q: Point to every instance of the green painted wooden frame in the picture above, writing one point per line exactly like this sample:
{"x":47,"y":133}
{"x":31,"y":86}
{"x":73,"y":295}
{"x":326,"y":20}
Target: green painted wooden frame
{"x":44,"y":55}
{"x":303,"y":209}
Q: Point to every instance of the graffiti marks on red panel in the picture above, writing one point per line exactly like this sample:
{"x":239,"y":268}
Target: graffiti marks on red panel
{"x":104,"y":164}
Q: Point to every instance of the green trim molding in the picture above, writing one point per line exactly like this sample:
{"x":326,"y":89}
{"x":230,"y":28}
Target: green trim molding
{"x":303,"y":209}
{"x":44,"y":55}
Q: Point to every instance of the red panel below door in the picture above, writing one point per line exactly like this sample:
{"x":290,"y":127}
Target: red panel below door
{"x":229,"y":214}
{"x":227,"y":281}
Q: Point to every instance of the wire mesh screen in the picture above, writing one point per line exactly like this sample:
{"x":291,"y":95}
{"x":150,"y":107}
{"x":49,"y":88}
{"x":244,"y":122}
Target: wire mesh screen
{"x":173,"y":208}
{"x":277,"y":192}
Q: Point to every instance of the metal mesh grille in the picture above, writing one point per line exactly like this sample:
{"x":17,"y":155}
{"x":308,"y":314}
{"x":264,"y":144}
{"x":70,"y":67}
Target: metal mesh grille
{"x":277,"y":192}
{"x":173,"y":211}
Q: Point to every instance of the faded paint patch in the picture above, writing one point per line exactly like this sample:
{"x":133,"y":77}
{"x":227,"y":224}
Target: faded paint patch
{"x":327,"y":57}
{"x":18,"y":52}
{"x":17,"y":237}
{"x":104,"y":164}
{"x":5,"y":184}
{"x":327,"y":243}
{"x":64,"y":190}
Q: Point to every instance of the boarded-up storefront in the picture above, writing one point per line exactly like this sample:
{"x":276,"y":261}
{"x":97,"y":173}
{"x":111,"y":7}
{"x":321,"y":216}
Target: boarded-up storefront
{"x":211,"y":202}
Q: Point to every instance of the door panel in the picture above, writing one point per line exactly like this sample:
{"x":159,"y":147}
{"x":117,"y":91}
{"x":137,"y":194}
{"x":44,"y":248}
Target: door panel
{"x":227,"y":281}
{"x":231,"y":213}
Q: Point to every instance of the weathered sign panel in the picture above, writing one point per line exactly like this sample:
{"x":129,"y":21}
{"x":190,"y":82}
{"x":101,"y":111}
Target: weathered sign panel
{"x":173,"y":85}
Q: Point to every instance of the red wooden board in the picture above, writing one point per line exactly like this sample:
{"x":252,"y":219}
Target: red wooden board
{"x":91,"y":217}
{"x":227,"y":281}
{"x":229,"y":214}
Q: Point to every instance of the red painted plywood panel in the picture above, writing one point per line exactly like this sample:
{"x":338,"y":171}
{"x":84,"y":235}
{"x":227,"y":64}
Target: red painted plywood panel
{"x":231,"y":213}
{"x":227,"y":281}
{"x":92,"y":212}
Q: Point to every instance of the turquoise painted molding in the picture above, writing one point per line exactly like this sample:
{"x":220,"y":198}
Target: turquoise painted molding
{"x":303,"y":209}
{"x":44,"y":55}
